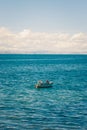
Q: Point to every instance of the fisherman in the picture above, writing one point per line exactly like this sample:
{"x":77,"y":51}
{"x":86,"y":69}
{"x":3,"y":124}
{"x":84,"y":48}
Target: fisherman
{"x":40,"y":82}
{"x":47,"y":81}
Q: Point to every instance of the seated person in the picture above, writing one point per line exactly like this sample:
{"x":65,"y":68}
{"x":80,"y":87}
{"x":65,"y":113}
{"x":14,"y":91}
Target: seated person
{"x":40,"y":82}
{"x":47,"y":81}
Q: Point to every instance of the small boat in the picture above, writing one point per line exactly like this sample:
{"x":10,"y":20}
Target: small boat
{"x":41,"y":84}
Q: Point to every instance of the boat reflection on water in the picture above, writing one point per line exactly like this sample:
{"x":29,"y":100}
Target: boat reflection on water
{"x":41,"y":84}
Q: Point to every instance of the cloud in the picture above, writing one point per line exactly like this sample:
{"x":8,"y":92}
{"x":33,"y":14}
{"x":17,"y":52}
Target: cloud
{"x":27,"y":41}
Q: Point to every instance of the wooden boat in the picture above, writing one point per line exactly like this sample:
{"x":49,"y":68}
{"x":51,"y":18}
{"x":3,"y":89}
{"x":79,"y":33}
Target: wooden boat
{"x":47,"y":84}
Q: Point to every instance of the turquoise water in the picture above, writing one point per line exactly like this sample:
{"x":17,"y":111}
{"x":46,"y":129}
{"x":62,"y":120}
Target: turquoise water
{"x":62,"y":107}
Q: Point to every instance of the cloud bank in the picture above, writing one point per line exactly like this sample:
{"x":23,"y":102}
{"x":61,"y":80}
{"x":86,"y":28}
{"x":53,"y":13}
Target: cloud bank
{"x":27,"y":41}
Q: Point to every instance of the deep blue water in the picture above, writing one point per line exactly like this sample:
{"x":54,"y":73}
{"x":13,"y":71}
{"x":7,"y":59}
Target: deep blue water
{"x":62,"y":107}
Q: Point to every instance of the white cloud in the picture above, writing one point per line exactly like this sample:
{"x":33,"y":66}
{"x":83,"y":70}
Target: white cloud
{"x":41,"y":42}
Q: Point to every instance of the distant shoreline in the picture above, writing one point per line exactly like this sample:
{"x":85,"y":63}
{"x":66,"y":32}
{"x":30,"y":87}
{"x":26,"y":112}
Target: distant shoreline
{"x":41,"y":54}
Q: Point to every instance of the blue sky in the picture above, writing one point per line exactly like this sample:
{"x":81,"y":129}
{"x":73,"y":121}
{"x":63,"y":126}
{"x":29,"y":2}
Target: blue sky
{"x":43,"y":26}
{"x":44,"y":15}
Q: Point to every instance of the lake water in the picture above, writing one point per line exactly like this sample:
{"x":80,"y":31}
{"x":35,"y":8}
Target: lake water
{"x":62,"y":107}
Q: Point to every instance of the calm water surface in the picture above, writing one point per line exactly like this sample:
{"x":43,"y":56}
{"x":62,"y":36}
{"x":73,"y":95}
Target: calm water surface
{"x":62,"y":107}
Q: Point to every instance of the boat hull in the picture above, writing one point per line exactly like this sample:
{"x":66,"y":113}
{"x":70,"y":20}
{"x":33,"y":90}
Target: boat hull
{"x":45,"y":85}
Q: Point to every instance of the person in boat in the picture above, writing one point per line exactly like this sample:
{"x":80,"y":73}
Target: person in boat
{"x":47,"y":81}
{"x":40,"y":82}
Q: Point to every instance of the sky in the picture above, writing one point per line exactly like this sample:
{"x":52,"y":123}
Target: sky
{"x":43,"y":26}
